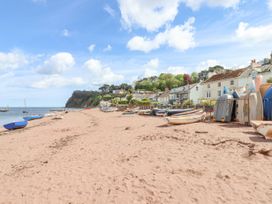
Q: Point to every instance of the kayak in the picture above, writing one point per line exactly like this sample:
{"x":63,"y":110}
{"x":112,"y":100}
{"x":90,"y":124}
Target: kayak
{"x":16,"y":125}
{"x":33,"y":117}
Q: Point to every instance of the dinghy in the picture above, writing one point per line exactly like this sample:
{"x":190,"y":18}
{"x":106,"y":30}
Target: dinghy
{"x":263,"y":127}
{"x":33,"y":117}
{"x":186,"y":119}
{"x":16,"y":125}
{"x":188,"y":113}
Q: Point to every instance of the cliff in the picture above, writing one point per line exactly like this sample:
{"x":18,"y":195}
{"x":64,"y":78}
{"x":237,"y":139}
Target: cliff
{"x":83,"y":99}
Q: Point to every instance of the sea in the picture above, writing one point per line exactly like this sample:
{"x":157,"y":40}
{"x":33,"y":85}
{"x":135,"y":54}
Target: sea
{"x":17,"y":113}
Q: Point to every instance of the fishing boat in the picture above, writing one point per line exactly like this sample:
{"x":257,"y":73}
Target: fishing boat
{"x":33,"y":117}
{"x":16,"y":125}
{"x":186,"y":119}
{"x":176,"y":111}
{"x":263,"y":127}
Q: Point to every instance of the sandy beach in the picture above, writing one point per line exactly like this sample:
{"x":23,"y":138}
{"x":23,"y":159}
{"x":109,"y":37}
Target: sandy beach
{"x":95,"y":157}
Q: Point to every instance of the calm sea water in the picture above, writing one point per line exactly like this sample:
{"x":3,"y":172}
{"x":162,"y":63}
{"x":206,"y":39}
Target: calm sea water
{"x":16,"y":114}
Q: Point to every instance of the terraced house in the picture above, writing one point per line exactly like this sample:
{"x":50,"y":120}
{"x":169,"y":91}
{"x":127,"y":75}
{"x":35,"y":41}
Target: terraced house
{"x":239,"y":80}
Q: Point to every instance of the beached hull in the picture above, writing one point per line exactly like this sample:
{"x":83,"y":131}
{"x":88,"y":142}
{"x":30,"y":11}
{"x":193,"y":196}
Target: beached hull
{"x":186,"y":119}
{"x":16,"y":125}
{"x":263,"y":127}
{"x":34,"y":117}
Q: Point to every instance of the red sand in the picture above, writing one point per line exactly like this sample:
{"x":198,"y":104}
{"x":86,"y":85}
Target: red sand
{"x":95,"y":157}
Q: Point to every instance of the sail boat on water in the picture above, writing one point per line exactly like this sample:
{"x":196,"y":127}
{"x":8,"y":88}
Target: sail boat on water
{"x":25,"y":111}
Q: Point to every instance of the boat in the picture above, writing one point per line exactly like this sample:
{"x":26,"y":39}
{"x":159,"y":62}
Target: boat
{"x":176,"y":111}
{"x":224,"y":108}
{"x":263,"y":127}
{"x":33,"y":117}
{"x":267,"y":104}
{"x":4,"y":110}
{"x":186,"y":119}
{"x":196,"y":111}
{"x":16,"y":125}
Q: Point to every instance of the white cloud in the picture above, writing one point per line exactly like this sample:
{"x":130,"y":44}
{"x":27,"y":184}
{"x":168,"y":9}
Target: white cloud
{"x":269,"y":4}
{"x":109,"y":10}
{"x":12,"y":60}
{"x":180,"y":37}
{"x":206,"y":64}
{"x":250,"y":34}
{"x":108,"y":48}
{"x":150,"y":15}
{"x":91,"y":47}
{"x":151,"y":68}
{"x":101,"y":73}
{"x":66,"y":33}
{"x":57,"y":81}
{"x":175,"y":70}
{"x":196,"y":4}
{"x":57,"y":64}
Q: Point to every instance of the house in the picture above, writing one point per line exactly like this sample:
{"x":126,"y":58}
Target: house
{"x":164,"y":98}
{"x":119,"y":92}
{"x":191,"y":91}
{"x":140,"y":95}
{"x":240,"y":80}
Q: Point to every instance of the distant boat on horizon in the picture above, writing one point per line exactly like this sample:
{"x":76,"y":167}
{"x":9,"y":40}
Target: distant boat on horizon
{"x":4,"y":109}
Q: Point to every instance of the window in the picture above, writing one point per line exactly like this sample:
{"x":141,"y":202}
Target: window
{"x":219,"y":84}
{"x":231,"y":82}
{"x":209,"y":86}
{"x":208,"y":94}
{"x":219,"y":93}
{"x":197,"y":88}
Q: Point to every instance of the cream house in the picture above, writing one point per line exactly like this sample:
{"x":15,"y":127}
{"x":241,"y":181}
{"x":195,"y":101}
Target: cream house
{"x":240,"y":80}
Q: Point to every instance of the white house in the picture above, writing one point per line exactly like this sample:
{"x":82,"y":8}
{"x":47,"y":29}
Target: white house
{"x":164,"y":98}
{"x":192,"y":92}
{"x":239,"y":80}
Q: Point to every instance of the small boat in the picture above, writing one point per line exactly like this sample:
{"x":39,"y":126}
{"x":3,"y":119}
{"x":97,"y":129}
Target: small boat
{"x":4,"y":110}
{"x":33,"y":117}
{"x":187,"y":119}
{"x":16,"y":125}
{"x":144,"y":112}
{"x":263,"y":127}
{"x":188,"y":113}
{"x":176,"y":111}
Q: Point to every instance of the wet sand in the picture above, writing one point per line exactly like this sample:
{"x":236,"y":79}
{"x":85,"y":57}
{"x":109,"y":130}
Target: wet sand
{"x":95,"y":157}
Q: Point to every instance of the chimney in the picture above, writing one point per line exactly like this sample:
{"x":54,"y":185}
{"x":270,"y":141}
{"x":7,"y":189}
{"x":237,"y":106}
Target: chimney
{"x":253,"y":64}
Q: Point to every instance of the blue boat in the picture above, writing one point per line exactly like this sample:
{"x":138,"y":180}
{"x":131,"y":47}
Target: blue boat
{"x":16,"y":125}
{"x":33,"y":117}
{"x":267,"y":103}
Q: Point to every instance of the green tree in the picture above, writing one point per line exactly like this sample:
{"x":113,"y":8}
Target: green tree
{"x":194,"y":77}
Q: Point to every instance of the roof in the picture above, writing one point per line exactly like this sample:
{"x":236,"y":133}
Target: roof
{"x":227,"y":75}
{"x":164,"y":94}
{"x":182,"y":89}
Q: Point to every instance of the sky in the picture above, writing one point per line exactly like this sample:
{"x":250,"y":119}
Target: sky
{"x":49,"y":48}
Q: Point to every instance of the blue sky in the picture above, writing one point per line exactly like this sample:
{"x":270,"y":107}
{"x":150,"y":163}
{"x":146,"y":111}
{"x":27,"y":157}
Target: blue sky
{"x":49,"y":48}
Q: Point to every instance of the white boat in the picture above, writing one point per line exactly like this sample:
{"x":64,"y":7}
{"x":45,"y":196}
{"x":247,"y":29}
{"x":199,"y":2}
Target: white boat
{"x":186,"y":119}
{"x":263,"y":127}
{"x":4,"y":109}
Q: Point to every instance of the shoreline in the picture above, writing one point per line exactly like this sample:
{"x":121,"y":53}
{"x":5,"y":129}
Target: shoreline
{"x":95,"y":157}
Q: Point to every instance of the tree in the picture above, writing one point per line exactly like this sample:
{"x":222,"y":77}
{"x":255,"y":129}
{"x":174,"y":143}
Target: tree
{"x":187,"y":79}
{"x":105,"y":88}
{"x":194,"y":77}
